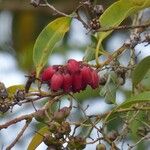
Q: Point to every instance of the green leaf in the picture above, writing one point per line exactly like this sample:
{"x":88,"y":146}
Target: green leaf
{"x":117,"y":12}
{"x":110,"y":97}
{"x":89,"y":53}
{"x":109,"y":89}
{"x":140,"y":71}
{"x":111,"y":17}
{"x":140,"y":98}
{"x":37,"y":139}
{"x":47,"y":39}
{"x":135,"y":124}
{"x":87,"y":94}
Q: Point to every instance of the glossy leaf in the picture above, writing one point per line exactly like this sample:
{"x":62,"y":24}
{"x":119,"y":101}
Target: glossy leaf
{"x":47,"y":39}
{"x":37,"y":139}
{"x":140,"y":71}
{"x":117,"y":12}
{"x":140,"y":98}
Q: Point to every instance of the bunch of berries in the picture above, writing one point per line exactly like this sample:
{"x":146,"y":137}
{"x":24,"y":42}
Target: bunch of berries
{"x":72,"y":77}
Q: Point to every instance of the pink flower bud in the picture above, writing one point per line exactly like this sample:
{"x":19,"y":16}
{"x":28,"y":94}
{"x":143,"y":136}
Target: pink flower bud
{"x":77,"y":82}
{"x":95,"y":80}
{"x":47,"y":74}
{"x":86,"y":75}
{"x":56,"y":82}
{"x":67,"y":82}
{"x":73,"y":66}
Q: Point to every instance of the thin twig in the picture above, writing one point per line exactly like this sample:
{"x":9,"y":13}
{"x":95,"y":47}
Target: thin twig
{"x":18,"y":119}
{"x":53,"y":8}
{"x":19,"y":135}
{"x":124,"y":27}
{"x":114,"y":55}
{"x":98,"y":139}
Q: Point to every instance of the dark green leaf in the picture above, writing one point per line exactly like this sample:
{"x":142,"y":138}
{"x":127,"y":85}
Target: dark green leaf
{"x":140,"y":71}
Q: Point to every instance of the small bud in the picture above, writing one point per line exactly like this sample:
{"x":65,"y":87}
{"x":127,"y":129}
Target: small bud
{"x":19,"y":95}
{"x":61,"y":130}
{"x":47,"y":74}
{"x":62,"y":114}
{"x":58,"y":116}
{"x":66,"y":111}
{"x":98,"y":9}
{"x":73,"y":66}
{"x":100,"y":147}
{"x":3,"y":91}
{"x":67,"y":82}
{"x":112,"y":135}
{"x":94,"y":24}
{"x":56,"y":82}
{"x":4,"y":107}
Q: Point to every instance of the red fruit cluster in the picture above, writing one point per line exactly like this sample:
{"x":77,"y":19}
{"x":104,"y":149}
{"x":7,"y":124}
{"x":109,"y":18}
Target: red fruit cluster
{"x":72,"y":77}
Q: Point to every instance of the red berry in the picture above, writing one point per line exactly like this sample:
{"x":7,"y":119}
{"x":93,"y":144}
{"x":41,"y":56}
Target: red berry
{"x":47,"y":74}
{"x":86,"y":75}
{"x":95,"y":79}
{"x":56,"y":82}
{"x":73,"y":66}
{"x":77,"y":82}
{"x":67,"y":82}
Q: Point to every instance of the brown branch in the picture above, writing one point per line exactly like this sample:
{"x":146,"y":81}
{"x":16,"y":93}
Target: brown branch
{"x":124,"y":27}
{"x":29,"y":116}
{"x":114,"y":55}
{"x":98,"y":139}
{"x":18,"y":119}
{"x":19,"y":135}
